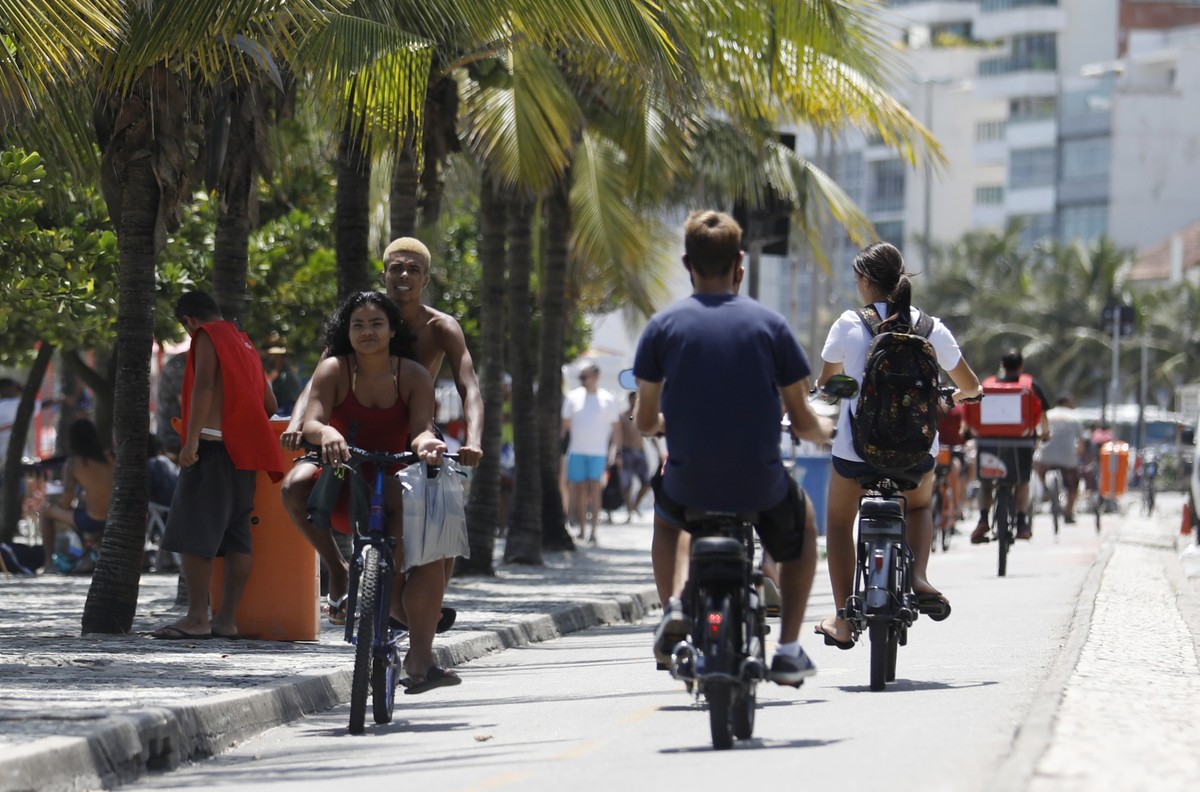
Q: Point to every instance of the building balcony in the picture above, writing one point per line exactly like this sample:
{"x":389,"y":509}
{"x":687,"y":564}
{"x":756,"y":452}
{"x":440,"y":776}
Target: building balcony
{"x":1029,"y":201}
{"x":1001,"y":19}
{"x":1031,"y":134}
{"x":1020,"y":80}
{"x":935,"y":12}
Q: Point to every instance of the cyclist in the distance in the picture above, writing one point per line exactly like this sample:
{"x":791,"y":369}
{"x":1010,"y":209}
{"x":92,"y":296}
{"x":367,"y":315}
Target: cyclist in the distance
{"x":712,"y":370}
{"x":1062,"y":451}
{"x":1012,"y":370}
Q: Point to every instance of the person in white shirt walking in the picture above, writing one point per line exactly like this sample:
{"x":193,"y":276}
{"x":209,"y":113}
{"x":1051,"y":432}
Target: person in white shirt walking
{"x":590,"y":415}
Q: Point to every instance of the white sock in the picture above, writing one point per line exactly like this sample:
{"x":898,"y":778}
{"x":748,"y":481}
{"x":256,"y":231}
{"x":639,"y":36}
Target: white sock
{"x":789,"y":649}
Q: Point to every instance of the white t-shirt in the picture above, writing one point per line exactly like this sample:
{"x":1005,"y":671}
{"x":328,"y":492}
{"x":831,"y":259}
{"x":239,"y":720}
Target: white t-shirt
{"x":8,"y":414}
{"x":847,"y":344}
{"x":592,"y":416}
{"x":1062,"y":449}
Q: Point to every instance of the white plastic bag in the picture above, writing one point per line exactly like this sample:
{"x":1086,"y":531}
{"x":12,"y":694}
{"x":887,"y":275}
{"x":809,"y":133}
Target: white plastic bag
{"x":435,"y":518}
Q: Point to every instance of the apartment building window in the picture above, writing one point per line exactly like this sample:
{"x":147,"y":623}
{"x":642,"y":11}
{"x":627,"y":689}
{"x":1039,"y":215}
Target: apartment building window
{"x":1085,"y":159}
{"x":892,"y":231}
{"x":1037,"y":51}
{"x":989,"y":131}
{"x":887,"y":186}
{"x":991,"y":6}
{"x":1032,"y":167}
{"x":1035,"y":229}
{"x":990,"y":195}
{"x":1028,"y":108}
{"x":850,"y":174}
{"x":1083,"y":223}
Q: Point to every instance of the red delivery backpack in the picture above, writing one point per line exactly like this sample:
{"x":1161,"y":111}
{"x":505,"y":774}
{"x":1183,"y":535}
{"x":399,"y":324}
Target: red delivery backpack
{"x":1008,"y":409}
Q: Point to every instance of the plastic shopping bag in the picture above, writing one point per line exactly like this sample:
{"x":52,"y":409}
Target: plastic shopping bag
{"x":435,"y":518}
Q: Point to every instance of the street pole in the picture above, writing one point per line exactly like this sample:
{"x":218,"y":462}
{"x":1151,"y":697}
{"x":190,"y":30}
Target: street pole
{"x":1144,"y":389}
{"x":928,"y":220}
{"x":1114,"y":386}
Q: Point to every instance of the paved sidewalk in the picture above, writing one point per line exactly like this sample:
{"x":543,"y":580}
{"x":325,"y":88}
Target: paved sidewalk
{"x":95,"y":711}
{"x":1119,"y":710}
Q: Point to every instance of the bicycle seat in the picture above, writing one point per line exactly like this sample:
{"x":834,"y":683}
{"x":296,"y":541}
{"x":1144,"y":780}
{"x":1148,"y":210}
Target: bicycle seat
{"x":882,"y":508}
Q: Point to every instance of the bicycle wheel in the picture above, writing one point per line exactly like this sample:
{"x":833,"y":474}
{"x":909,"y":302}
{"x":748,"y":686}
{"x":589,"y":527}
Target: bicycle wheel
{"x":1053,"y":492}
{"x":719,"y":695}
{"x":1000,"y":523}
{"x":745,"y":700}
{"x":880,"y":635}
{"x":939,"y":519}
{"x":364,"y":638}
{"x":893,"y":650}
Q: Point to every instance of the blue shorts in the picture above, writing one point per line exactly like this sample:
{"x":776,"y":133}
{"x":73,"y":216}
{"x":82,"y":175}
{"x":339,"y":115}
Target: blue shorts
{"x":585,"y":467}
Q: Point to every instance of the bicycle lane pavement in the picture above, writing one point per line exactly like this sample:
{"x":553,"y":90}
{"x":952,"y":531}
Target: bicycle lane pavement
{"x":84,"y":712}
{"x":1118,"y":711}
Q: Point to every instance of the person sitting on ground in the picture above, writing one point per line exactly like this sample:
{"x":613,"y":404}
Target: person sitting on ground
{"x":884,"y":287}
{"x":368,"y":392}
{"x":716,"y":354}
{"x":90,"y":468}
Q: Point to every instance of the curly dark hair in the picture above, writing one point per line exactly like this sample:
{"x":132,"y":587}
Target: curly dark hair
{"x":84,"y":440}
{"x":337,"y":329}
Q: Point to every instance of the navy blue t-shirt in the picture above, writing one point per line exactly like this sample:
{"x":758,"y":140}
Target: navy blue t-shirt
{"x":721,"y":359}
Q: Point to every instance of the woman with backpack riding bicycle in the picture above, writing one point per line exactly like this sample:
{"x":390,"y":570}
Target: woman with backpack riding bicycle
{"x":888,"y":336}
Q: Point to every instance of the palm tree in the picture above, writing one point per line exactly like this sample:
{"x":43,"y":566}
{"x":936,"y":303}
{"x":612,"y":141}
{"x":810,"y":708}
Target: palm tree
{"x":150,"y":86}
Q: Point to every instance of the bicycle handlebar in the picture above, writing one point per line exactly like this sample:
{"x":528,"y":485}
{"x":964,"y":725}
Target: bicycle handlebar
{"x":405,"y":458}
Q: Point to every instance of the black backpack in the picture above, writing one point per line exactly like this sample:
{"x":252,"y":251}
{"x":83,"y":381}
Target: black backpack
{"x":895,"y":422}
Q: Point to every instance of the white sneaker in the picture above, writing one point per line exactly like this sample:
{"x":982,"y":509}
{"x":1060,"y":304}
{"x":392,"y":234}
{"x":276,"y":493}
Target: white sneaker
{"x":788,"y":670}
{"x":671,"y":630}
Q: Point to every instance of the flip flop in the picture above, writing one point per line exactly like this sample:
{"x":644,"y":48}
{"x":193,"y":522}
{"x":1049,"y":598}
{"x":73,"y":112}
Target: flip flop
{"x":444,"y":623}
{"x":335,"y":610}
{"x":435,"y":677}
{"x":933,"y":605}
{"x":227,"y":636}
{"x":174,"y":633}
{"x":831,"y":640}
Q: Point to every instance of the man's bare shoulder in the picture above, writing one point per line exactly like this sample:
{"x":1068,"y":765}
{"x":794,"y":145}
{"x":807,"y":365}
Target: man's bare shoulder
{"x":440,"y":322}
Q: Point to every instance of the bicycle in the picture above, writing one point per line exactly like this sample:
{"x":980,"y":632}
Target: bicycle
{"x":1054,"y":494}
{"x":1004,"y":503}
{"x":1148,"y":483}
{"x":943,"y":506}
{"x":724,"y":657}
{"x":369,"y":627}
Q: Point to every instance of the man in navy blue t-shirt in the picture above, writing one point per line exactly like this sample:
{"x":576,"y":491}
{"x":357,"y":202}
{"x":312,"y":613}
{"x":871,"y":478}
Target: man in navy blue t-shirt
{"x":714,"y":373}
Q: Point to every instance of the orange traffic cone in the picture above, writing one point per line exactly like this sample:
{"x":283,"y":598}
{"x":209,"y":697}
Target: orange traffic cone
{"x":1186,"y":528}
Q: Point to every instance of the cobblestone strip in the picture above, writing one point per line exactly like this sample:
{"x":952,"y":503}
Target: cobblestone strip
{"x":1127,"y":716}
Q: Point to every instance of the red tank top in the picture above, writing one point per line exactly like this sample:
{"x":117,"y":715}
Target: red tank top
{"x":372,"y":428}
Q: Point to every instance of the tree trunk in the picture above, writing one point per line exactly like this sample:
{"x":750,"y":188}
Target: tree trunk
{"x":237,"y":181}
{"x":555,"y":535}
{"x":440,"y":137}
{"x":524,"y":545}
{"x":112,"y":597}
{"x":483,"y":507}
{"x":402,"y":205}
{"x":11,"y":497}
{"x":352,"y":224}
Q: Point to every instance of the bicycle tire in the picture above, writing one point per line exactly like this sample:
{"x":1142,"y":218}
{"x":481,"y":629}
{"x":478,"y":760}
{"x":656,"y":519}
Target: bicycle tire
{"x":745,"y":701}
{"x":939,"y":519}
{"x":1000,"y":520}
{"x":879,"y":633}
{"x":718,"y":695}
{"x":364,"y":649}
{"x":893,"y":651}
{"x":1053,"y":492}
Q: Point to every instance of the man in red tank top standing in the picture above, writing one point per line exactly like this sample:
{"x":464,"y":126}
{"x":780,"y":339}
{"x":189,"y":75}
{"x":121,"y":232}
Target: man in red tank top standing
{"x":226,"y":440}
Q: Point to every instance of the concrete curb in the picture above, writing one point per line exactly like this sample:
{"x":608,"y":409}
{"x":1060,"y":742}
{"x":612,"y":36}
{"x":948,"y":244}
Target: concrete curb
{"x":122,"y":748}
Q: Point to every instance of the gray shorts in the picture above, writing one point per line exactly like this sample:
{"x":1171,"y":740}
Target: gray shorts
{"x":210,"y":513}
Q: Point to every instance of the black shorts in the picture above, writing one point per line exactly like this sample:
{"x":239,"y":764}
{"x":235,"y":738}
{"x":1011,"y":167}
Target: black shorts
{"x":210,"y":513}
{"x":1018,"y":459}
{"x":780,"y":528}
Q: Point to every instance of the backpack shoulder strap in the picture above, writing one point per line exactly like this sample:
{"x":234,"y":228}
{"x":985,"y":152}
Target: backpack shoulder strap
{"x":924,"y":325}
{"x":870,"y":318}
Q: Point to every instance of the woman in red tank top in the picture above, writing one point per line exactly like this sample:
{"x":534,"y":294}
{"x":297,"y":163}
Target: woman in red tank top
{"x":370,"y":393}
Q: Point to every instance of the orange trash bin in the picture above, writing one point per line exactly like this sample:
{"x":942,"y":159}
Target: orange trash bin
{"x":280,"y":602}
{"x":1114,"y":468}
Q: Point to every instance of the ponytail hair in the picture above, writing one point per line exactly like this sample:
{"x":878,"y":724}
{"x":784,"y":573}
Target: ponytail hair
{"x":882,"y":264}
